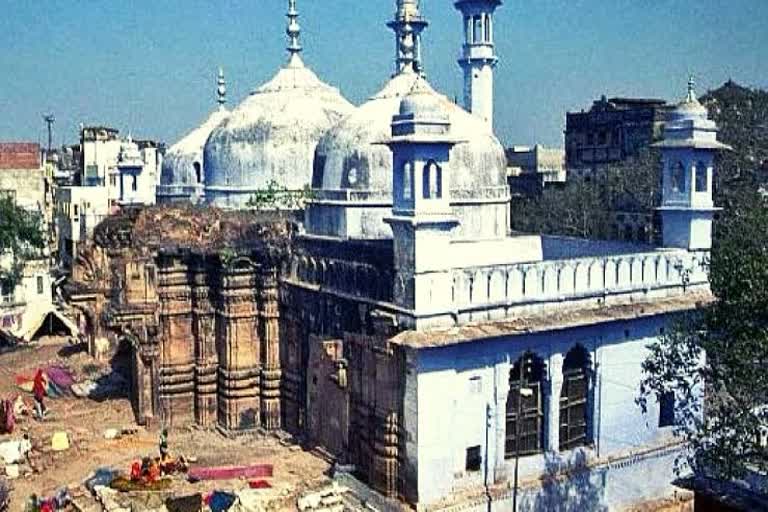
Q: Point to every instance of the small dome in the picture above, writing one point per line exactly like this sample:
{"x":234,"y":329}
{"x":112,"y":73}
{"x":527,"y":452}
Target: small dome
{"x":181,"y":176}
{"x":690,"y":107}
{"x":422,"y":102}
{"x":271,"y":136}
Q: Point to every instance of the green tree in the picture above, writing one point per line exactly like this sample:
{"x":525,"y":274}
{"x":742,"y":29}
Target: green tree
{"x":277,"y":197}
{"x":720,"y":354}
{"x":21,"y":237}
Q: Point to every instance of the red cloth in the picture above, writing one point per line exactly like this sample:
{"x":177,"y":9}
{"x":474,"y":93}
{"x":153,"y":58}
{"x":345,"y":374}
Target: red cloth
{"x":38,"y":388}
{"x":136,"y":471}
{"x":259,"y":484}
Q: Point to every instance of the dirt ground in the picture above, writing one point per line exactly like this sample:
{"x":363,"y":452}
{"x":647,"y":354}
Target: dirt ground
{"x":85,"y":420}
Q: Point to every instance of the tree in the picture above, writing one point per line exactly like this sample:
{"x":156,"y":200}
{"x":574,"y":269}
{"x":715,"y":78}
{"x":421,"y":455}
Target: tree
{"x":277,"y":197}
{"x":585,"y":207}
{"x":720,"y":354}
{"x":21,"y":237}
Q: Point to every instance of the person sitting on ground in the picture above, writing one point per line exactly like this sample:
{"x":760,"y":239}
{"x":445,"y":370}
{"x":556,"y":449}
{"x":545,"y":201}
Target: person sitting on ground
{"x":38,"y":389}
{"x":164,"y":444}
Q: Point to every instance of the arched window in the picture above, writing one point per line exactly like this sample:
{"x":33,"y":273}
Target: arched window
{"x":678,"y":177}
{"x":477,"y":29}
{"x":425,"y":189}
{"x":701,"y":177}
{"x":433,"y":180}
{"x":198,"y":172}
{"x":134,"y":183}
{"x":574,"y":398}
{"x":487,"y":28}
{"x":525,"y":413}
{"x":407,"y":180}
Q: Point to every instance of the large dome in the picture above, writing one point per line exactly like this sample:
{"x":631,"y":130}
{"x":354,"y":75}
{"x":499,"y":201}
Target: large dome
{"x":353,"y":170}
{"x":182,"y":174}
{"x":271,"y":136}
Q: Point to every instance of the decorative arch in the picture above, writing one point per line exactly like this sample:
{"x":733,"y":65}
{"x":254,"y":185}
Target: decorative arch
{"x":524,"y":408}
{"x":574,"y":398}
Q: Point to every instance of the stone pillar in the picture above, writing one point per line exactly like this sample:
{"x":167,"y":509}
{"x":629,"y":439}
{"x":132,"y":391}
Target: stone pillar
{"x":177,"y":363}
{"x":269,"y":322}
{"x":553,"y":387}
{"x":238,"y":345}
{"x":206,"y":358}
{"x":385,"y":469}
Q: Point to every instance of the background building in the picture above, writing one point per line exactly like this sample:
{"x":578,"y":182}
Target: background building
{"x":529,"y":170}
{"x":25,"y":307}
{"x":612,"y":131}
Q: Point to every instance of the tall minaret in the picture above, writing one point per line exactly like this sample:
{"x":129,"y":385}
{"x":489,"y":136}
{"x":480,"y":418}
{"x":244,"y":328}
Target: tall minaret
{"x":479,"y":56}
{"x":687,"y":155}
{"x":408,"y":26}
{"x":221,"y":90}
{"x":294,"y":32}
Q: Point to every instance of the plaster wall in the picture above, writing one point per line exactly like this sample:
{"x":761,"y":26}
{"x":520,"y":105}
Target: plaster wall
{"x":461,"y":402}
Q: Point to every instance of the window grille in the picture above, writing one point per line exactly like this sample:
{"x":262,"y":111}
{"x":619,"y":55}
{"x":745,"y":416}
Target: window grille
{"x":574,"y":399}
{"x":526,"y":399}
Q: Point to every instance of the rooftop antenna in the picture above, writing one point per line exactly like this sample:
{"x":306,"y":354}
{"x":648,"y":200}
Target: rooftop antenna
{"x":49,"y":120}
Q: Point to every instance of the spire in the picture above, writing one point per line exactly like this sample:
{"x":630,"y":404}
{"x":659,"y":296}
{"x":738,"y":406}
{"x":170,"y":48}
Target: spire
{"x":408,"y":25}
{"x":691,"y":97}
{"x":221,"y":90}
{"x":407,"y":59}
{"x":293,"y":30}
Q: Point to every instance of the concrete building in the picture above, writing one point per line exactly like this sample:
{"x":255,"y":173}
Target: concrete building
{"x":100,"y":149}
{"x":529,"y":170}
{"x":78,"y":211}
{"x":102,"y":156}
{"x":401,"y":327}
{"x":25,"y":306}
{"x":612,"y":131}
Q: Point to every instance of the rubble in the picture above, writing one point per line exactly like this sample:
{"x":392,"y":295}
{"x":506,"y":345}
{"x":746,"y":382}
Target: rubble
{"x":327,"y":500}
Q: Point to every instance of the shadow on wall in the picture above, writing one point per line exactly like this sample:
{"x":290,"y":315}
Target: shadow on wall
{"x":567,"y":486}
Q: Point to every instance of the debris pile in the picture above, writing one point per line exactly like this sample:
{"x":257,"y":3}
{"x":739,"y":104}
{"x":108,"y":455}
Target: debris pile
{"x":329,"y":499}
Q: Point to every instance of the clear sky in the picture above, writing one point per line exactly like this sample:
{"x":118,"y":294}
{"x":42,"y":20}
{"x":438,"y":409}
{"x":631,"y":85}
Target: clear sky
{"x":149,"y":67}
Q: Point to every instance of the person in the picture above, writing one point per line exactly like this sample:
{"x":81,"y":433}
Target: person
{"x":164,"y":444}
{"x":38,"y":389}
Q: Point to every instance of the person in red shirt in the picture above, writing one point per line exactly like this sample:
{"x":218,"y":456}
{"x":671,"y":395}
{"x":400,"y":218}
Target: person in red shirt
{"x":38,"y":389}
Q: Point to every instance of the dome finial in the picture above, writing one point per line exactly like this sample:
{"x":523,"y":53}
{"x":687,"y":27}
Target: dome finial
{"x":221,"y":90}
{"x":408,"y":25}
{"x":293,"y":30}
{"x":691,"y":96}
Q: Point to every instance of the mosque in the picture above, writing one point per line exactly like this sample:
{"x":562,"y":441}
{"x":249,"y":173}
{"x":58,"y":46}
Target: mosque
{"x":406,"y":331}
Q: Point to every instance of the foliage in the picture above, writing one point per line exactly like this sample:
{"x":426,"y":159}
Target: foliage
{"x":21,"y":237}
{"x":584,"y":207}
{"x":277,"y":197}
{"x":724,"y":437}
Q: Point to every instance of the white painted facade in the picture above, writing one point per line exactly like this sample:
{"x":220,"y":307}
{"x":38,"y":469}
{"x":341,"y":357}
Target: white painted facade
{"x":77,"y":212}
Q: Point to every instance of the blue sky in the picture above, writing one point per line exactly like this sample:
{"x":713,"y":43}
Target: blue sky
{"x":149,"y":66}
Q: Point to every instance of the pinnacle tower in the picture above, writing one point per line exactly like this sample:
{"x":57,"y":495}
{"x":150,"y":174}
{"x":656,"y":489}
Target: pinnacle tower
{"x":408,"y":24}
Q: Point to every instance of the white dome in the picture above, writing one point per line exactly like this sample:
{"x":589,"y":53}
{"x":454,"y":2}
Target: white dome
{"x":271,"y":136}
{"x":351,"y":157}
{"x":181,"y":177}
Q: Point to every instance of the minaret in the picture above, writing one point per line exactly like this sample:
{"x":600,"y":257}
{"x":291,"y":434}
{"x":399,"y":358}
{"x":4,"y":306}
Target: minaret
{"x":422,"y":219}
{"x":408,"y":26}
{"x":687,"y":155}
{"x":294,"y":32}
{"x":478,"y":56}
{"x":221,"y":90}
